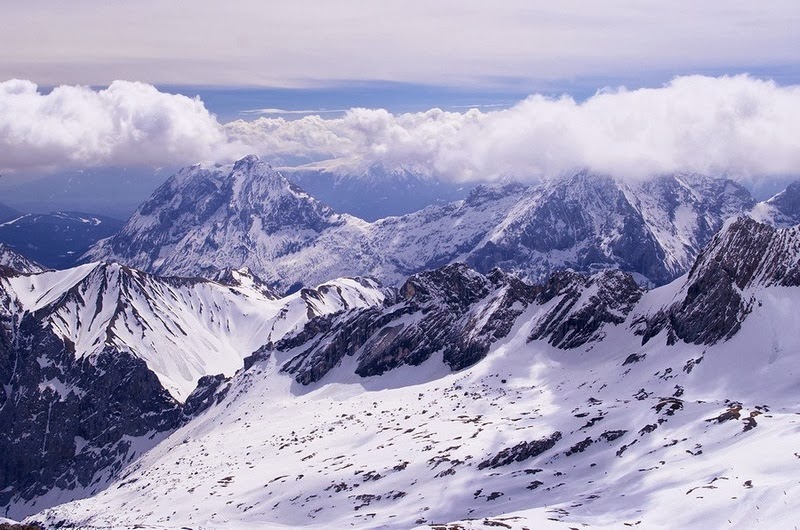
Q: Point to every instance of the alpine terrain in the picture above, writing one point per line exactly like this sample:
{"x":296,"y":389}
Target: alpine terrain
{"x":208,"y":217}
{"x":458,"y":400}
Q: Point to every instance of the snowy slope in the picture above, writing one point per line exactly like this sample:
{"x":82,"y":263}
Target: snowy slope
{"x":100,"y":362}
{"x":211,"y":217}
{"x":782,"y":210}
{"x":182,"y":328}
{"x":610,"y":433}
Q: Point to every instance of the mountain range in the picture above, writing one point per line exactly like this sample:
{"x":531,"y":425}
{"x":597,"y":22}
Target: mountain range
{"x":585,"y":352}
{"x":208,"y":217}
{"x":457,"y":398}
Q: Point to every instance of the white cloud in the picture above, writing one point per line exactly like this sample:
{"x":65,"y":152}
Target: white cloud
{"x":125,"y":124}
{"x":737,"y":125}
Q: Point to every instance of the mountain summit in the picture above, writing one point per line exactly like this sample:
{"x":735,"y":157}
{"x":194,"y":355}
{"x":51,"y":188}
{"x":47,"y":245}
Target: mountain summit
{"x":211,"y":217}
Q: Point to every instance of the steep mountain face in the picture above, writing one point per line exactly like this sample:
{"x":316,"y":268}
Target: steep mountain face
{"x":782,"y":210}
{"x":14,"y":260}
{"x":439,"y":235}
{"x":579,"y":307}
{"x":211,"y":217}
{"x":57,"y":239}
{"x":99,"y":362}
{"x":373,"y":191}
{"x":721,"y":289}
{"x":458,"y":313}
{"x":68,"y":422}
{"x":587,"y":222}
{"x":559,"y":415}
{"x":453,"y":311}
{"x":208,"y":218}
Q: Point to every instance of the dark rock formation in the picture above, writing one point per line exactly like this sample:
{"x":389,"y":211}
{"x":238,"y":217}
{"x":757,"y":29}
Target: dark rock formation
{"x":521,"y":451}
{"x":68,"y":421}
{"x":452,"y":310}
{"x":585,"y":305}
{"x":714,"y":301}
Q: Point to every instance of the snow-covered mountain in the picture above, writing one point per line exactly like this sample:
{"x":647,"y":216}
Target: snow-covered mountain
{"x":465,"y":400}
{"x":57,"y":239}
{"x":372,"y":191}
{"x":211,"y":217}
{"x":653,"y":228}
{"x":14,"y":260}
{"x":97,"y":361}
{"x":782,"y":210}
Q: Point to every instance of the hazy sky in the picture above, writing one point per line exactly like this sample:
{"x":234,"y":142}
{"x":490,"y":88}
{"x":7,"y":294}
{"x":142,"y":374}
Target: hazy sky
{"x":473,"y":43}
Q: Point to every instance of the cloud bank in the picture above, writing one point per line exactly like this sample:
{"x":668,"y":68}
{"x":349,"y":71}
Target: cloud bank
{"x":126,"y":124}
{"x":735,"y":125}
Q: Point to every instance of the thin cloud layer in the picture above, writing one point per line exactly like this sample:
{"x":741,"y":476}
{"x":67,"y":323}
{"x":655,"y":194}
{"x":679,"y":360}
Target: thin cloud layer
{"x":473,"y":43}
{"x":734,"y":125}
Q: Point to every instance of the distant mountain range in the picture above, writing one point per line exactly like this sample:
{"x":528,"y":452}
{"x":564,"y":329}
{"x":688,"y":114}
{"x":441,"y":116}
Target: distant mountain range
{"x":56,"y":239}
{"x":208,"y":217}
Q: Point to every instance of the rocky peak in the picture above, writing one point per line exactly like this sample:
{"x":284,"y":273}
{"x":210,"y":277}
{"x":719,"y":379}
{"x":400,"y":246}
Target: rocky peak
{"x":453,"y":310}
{"x":244,"y":278}
{"x":580,"y":306}
{"x":787,"y":205}
{"x":217,"y":217}
{"x":454,"y":285}
{"x":717,"y":295}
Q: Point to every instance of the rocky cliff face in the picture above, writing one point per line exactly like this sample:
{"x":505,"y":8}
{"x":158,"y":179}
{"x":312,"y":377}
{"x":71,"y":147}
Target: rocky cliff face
{"x":459,"y":313}
{"x":719,"y":290}
{"x":580,"y":306}
{"x":453,"y":311}
{"x":68,"y":422}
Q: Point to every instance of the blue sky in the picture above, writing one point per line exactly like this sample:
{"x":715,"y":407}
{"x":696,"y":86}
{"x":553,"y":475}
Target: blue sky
{"x":230,"y":103}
